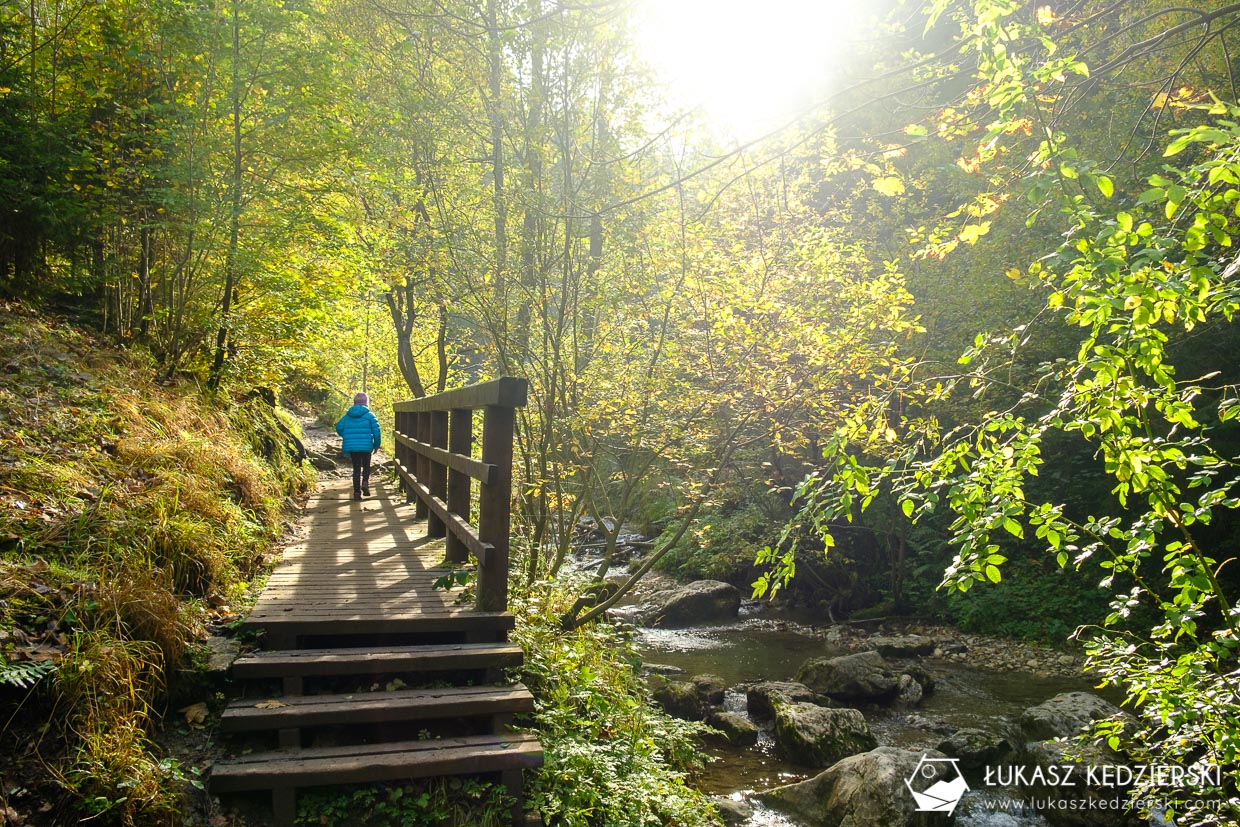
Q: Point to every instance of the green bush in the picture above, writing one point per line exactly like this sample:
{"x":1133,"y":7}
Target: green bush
{"x":450,"y":802}
{"x":612,"y":759}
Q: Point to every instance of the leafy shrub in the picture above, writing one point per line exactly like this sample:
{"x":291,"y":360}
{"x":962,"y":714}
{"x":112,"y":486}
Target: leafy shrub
{"x":611,"y":758}
{"x":450,"y":802}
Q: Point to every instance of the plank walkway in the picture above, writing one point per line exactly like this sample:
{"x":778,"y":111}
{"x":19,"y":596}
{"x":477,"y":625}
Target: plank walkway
{"x":365,"y":565}
{"x":351,"y":610}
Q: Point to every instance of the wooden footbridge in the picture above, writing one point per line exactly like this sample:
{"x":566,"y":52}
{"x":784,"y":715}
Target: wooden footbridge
{"x":367,"y":673}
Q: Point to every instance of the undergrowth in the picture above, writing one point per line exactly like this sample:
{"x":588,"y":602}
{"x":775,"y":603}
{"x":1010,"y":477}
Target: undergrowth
{"x":128,"y":513}
{"x":612,"y":759}
{"x":442,"y":802}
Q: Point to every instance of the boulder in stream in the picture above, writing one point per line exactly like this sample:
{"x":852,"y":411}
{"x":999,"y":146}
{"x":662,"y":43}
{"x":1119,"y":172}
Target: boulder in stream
{"x":863,"y":677}
{"x":978,"y":748}
{"x":1071,"y":779}
{"x":761,"y":697}
{"x":733,"y":812}
{"x":704,"y":601}
{"x":922,"y":676}
{"x":859,"y":791}
{"x":1065,"y":715}
{"x":737,"y":730}
{"x":679,"y":699}
{"x":815,"y":736}
{"x":710,"y":689}
{"x":901,"y":646}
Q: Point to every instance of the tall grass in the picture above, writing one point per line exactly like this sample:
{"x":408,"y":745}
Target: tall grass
{"x":125,"y":507}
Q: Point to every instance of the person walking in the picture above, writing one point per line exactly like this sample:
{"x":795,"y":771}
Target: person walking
{"x":360,"y":431}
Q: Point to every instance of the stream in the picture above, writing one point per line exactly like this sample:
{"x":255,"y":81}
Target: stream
{"x":760,"y":646}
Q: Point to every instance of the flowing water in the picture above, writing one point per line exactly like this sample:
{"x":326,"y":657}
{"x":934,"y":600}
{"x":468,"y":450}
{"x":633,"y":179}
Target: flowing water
{"x":757,"y":647}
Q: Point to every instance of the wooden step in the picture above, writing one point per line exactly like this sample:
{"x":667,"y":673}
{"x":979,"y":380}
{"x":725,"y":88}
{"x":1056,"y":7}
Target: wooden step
{"x":376,"y":660}
{"x":295,"y":622}
{"x":376,"y":762}
{"x":251,"y":715}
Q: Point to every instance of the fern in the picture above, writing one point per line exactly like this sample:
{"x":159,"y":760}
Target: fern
{"x":26,"y":674}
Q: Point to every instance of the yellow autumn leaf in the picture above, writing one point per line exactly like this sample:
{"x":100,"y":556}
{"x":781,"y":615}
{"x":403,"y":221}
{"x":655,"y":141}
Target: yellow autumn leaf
{"x":195,"y":714}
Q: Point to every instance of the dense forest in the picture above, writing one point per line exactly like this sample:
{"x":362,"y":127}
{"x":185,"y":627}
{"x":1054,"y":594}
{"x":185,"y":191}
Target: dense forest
{"x":952,"y":339}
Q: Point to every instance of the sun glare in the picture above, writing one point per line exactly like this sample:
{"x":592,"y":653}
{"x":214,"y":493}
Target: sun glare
{"x":746,"y":64}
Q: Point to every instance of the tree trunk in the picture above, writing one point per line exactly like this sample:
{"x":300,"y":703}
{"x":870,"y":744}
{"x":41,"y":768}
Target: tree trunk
{"x":495,"y":89}
{"x":400,"y":306}
{"x":234,"y":217}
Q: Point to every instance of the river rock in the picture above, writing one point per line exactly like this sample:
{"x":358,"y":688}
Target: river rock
{"x":901,"y":646}
{"x":701,"y":602}
{"x":662,"y":669}
{"x":863,"y":677}
{"x":908,"y":690}
{"x":760,"y":698}
{"x":863,"y":790}
{"x":1065,"y":715}
{"x":710,"y":689}
{"x":815,"y":736}
{"x":978,"y":748}
{"x":679,"y":699}
{"x":1046,"y":778}
{"x":322,"y":462}
{"x":737,"y":730}
{"x":731,"y":811}
{"x":922,"y":676}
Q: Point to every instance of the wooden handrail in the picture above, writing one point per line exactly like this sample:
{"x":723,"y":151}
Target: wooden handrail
{"x":434,"y":458}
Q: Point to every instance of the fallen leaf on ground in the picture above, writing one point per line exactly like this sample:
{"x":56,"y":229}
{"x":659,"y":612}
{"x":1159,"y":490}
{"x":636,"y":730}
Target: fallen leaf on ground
{"x":195,"y":714}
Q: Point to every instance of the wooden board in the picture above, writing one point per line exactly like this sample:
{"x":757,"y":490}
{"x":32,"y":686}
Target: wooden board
{"x":248,"y":715}
{"x":376,"y":762}
{"x":354,"y":661}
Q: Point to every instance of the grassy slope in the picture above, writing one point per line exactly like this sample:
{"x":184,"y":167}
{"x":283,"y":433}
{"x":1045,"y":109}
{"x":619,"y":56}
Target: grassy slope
{"x":129,"y":514}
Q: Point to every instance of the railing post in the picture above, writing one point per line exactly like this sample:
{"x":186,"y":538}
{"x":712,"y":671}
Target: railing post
{"x":437,"y":478}
{"x":401,"y":422}
{"x":460,"y":441}
{"x":411,"y":458}
{"x":494,"y":505}
{"x":421,"y":465}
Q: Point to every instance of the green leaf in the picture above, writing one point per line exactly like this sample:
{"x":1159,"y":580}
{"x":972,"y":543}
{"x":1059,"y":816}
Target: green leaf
{"x":1105,"y":186}
{"x":1014,"y":528}
{"x":993,"y":574}
{"x":889,"y":185}
{"x":907,"y":508}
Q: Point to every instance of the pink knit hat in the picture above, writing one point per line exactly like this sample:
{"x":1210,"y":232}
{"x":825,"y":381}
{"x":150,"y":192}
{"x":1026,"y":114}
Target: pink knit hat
{"x":361,"y":399}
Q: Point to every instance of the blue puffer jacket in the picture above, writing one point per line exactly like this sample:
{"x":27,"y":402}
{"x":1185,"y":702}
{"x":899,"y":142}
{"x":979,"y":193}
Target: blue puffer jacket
{"x":359,"y":429}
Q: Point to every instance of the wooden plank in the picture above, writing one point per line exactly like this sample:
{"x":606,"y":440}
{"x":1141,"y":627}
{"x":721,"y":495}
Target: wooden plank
{"x":457,"y":524}
{"x":321,"y":624}
{"x":376,"y":762}
{"x":475,"y":468}
{"x":351,"y":661}
{"x":375,"y":707}
{"x":507,"y":391}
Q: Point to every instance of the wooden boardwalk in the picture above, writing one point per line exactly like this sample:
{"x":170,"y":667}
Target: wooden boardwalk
{"x":366,"y":565}
{"x":367,"y":673}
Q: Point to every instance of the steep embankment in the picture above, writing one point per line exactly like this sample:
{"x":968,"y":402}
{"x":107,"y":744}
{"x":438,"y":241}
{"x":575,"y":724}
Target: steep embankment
{"x":131,"y":517}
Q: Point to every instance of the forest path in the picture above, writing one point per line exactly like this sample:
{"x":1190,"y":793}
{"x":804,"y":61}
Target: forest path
{"x":368,"y":673}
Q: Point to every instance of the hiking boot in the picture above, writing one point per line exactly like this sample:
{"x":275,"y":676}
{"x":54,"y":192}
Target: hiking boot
{"x":365,"y":492}
{"x":357,"y":495}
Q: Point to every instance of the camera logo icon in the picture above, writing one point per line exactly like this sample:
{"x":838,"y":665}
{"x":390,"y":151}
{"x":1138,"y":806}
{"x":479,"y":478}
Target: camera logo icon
{"x":937,"y":784}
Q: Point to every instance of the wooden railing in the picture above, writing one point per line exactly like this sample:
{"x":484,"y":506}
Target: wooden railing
{"x":434,"y":457}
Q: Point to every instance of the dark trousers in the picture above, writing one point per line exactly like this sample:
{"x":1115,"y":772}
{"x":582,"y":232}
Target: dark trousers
{"x":361,"y":469}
